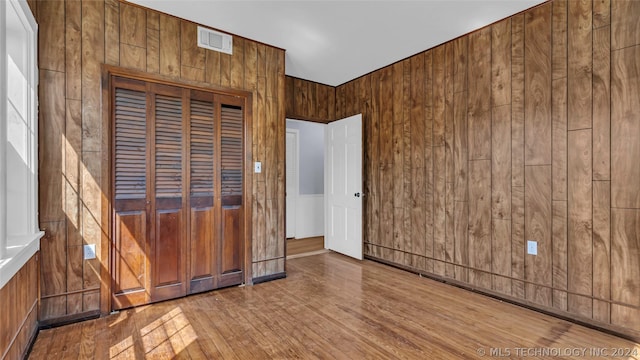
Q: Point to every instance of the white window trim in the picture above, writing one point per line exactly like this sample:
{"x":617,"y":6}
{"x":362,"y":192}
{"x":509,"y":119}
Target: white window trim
{"x":13,"y":259}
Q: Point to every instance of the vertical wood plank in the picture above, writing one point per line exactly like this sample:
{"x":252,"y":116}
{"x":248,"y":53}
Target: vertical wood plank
{"x":538,"y":228}
{"x":191,"y":54}
{"x":237,"y":64}
{"x":112,"y":32}
{"x":501,"y":255}
{"x":54,"y":268}
{"x":559,"y":145}
{"x":517,"y":100}
{"x":461,"y":240}
{"x":559,"y":39}
{"x":93,"y":56}
{"x":625,"y":29}
{"x":601,"y":13}
{"x":501,"y":63}
{"x":460,"y":147}
{"x":438,"y":96}
{"x":601,"y":103}
{"x":73,"y":49}
{"x":580,"y":221}
{"x":153,"y":50}
{"x":133,"y":25}
{"x":559,"y":254}
{"x":501,"y":162}
{"x":537,"y":75}
{"x":169,"y":46}
{"x":579,"y":48}
{"x":480,"y":220}
{"x":625,"y":272}
{"x":601,"y":249}
{"x":625,"y":129}
{"x":479,"y":104}
{"x":51,"y":25}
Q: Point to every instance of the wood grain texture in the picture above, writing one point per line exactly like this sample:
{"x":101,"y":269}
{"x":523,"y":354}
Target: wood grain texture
{"x":602,"y":249}
{"x":580,"y":52}
{"x":169,"y":46}
{"x":112,"y":32}
{"x":537,"y":76}
{"x":537,"y":211}
{"x":625,"y":275}
{"x":559,"y":39}
{"x":51,"y":27}
{"x":601,"y":103}
{"x":559,"y":248}
{"x":501,"y":63}
{"x":480,"y":216}
{"x":346,"y":320}
{"x":501,"y":162}
{"x":580,"y":219}
{"x":559,"y":134}
{"x":625,"y":30}
{"x":625,"y":128}
{"x":478,"y":104}
{"x":301,"y":93}
{"x":19,"y":298}
{"x":601,"y":13}
{"x":517,"y":100}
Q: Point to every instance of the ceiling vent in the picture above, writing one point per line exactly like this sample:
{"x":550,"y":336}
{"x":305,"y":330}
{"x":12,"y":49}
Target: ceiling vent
{"x":214,"y":40}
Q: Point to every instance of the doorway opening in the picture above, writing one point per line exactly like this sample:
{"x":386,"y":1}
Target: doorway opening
{"x":305,"y":173}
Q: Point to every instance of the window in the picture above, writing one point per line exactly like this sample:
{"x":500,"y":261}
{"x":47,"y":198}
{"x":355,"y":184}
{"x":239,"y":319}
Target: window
{"x":19,"y":232}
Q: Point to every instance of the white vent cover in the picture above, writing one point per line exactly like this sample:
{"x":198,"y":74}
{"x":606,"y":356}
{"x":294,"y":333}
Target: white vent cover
{"x":214,"y":40}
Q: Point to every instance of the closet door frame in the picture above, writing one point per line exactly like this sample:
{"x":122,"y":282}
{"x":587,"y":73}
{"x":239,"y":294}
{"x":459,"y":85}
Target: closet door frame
{"x":107,"y":184}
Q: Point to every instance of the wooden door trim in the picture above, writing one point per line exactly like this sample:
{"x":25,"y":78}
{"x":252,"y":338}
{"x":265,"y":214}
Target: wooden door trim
{"x":242,"y":97}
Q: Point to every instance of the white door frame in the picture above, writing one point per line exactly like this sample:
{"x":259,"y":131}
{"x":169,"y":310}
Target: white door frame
{"x":293,"y":198}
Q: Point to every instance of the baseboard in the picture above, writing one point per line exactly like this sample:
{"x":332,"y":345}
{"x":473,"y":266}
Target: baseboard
{"x":271,"y":277}
{"x":69,"y":319}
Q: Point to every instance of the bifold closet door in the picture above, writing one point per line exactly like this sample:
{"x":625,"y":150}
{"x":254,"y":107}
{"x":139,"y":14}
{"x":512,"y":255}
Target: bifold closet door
{"x":169,"y":236}
{"x":203,"y":230}
{"x":131,"y":266}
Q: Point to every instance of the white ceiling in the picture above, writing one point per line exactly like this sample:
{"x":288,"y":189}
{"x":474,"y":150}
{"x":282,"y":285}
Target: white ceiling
{"x":332,"y":42}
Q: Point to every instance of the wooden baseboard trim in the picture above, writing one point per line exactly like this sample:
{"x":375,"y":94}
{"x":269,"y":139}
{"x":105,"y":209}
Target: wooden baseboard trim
{"x":68,"y":319}
{"x":608,"y":329}
{"x":271,"y":277}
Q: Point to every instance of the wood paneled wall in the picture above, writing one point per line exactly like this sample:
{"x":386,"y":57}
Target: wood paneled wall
{"x":308,"y":100}
{"x":76,"y":37}
{"x":528,"y":129}
{"x":19,"y":307}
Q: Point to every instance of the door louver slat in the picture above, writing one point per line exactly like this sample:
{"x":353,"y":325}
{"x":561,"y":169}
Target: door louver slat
{"x":168,"y":142}
{"x":231,"y":150}
{"x":202,"y":147}
{"x":130,"y":144}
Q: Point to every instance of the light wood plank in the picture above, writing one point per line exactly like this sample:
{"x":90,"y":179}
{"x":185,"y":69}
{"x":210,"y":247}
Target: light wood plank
{"x":51,"y":24}
{"x":580,"y":221}
{"x":72,"y":46}
{"x":580,"y":50}
{"x":559,"y":134}
{"x":559,"y":238}
{"x":537,"y":63}
{"x":480,"y":219}
{"x":601,"y":13}
{"x":501,"y":63}
{"x":559,"y":40}
{"x":538,"y":228}
{"x":625,"y":29}
{"x":133,"y":25}
{"x":517,"y":100}
{"x":602,"y":249}
{"x":501,"y":162}
{"x":479,"y":104}
{"x":169,"y":46}
{"x":625,"y":128}
{"x":601,"y":103}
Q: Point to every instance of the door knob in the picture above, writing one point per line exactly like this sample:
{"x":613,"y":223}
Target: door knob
{"x":356,"y":194}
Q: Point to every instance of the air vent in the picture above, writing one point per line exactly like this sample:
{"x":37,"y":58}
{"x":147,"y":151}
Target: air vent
{"x":213,"y":40}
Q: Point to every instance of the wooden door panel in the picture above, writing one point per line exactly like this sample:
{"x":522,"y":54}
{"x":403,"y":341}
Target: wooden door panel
{"x":130,"y":275}
{"x":168,"y":264}
{"x":231,"y":254}
{"x":203,"y":245}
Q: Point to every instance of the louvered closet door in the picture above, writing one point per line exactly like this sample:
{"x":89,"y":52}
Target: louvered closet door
{"x":231,"y":159}
{"x":130,"y":268}
{"x":203,"y":228}
{"x":169,"y":171}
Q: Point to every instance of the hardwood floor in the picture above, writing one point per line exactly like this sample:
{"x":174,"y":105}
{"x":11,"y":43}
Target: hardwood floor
{"x":329,"y":306}
{"x":304,"y":246}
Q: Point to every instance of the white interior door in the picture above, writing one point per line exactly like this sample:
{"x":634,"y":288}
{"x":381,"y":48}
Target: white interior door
{"x":343,"y":186}
{"x":292,"y":180}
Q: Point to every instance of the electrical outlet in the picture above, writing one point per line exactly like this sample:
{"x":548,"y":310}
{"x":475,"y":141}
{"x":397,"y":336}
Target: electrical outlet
{"x":532,"y":247}
{"x":90,"y":251}
{"x":258,"y":167}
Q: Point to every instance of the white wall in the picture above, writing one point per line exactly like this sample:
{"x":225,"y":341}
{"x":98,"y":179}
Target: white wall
{"x":310,"y":200}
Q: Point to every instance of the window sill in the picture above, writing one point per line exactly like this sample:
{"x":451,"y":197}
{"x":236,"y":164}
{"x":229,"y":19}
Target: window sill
{"x":17,"y":256}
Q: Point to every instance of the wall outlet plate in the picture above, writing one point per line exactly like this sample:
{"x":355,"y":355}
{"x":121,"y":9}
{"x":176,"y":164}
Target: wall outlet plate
{"x":532,"y":247}
{"x":90,"y":251}
{"x":258,"y":167}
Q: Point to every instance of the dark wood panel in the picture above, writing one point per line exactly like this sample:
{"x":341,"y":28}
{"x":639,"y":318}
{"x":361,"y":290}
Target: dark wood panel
{"x":538,"y":228}
{"x":72,"y":46}
{"x":169,"y":46}
{"x":501,"y":63}
{"x":480,"y":217}
{"x":580,"y":220}
{"x":203,"y":248}
{"x":559,"y":134}
{"x":559,"y":238}
{"x":537,"y":76}
{"x":168,"y":257}
{"x":517,"y":100}
{"x":231,"y":254}
{"x":559,"y":39}
{"x":580,"y":52}
{"x":625,"y":129}
{"x":602,"y":249}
